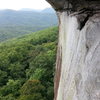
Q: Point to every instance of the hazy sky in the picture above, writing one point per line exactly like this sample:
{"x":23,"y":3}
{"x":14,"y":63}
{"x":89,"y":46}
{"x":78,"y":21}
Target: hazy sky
{"x":18,"y":4}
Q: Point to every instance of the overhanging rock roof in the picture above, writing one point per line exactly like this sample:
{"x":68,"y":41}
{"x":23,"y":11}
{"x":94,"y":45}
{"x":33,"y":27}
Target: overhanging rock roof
{"x":74,"y":4}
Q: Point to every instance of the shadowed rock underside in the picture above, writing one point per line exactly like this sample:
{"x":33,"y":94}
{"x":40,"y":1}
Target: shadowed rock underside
{"x":74,"y":5}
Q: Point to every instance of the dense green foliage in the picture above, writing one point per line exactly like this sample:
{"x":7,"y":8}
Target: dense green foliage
{"x":27,"y":66}
{"x":18,"y":23}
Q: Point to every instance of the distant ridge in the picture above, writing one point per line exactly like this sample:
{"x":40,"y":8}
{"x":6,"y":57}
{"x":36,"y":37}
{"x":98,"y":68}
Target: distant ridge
{"x":17,"y":23}
{"x":48,"y":10}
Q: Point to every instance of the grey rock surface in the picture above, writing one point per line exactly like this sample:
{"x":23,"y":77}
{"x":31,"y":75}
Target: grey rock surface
{"x":78,"y":58}
{"x":79,"y":77}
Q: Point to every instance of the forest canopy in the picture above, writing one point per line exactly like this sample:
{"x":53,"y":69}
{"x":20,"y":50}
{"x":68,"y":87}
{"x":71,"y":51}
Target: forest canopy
{"x":27,"y":66}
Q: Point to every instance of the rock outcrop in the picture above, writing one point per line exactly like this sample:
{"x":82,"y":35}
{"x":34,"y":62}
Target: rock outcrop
{"x":78,"y":58}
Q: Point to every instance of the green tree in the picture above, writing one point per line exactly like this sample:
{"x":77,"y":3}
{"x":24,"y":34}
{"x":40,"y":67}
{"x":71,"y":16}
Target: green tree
{"x":32,"y":90}
{"x":12,"y":87}
{"x":3,"y":77}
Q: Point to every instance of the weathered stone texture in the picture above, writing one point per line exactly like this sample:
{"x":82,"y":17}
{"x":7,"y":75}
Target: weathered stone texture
{"x":80,"y":67}
{"x":78,"y":59}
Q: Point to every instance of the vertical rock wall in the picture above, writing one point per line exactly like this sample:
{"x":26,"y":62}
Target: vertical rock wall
{"x":78,"y":59}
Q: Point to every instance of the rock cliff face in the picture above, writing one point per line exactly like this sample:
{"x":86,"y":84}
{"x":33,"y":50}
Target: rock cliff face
{"x":78,"y":58}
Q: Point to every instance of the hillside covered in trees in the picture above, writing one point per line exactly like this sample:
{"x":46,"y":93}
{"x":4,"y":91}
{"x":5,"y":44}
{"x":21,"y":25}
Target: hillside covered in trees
{"x":27,"y":66}
{"x":17,"y":23}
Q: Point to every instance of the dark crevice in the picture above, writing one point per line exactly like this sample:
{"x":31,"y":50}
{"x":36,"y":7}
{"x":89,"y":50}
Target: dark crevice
{"x":84,"y":14}
{"x":82,"y":24}
{"x":87,"y":47}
